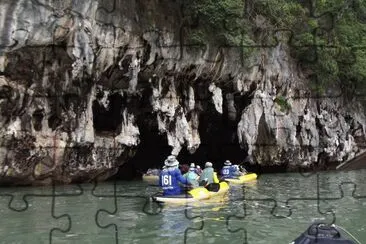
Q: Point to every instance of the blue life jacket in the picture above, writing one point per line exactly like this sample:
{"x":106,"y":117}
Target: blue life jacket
{"x":227,"y":172}
{"x":169,"y":181}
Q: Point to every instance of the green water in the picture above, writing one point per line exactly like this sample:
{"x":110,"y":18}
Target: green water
{"x":254,"y":218}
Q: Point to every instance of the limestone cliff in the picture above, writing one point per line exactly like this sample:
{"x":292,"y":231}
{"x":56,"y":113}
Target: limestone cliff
{"x":76,"y":76}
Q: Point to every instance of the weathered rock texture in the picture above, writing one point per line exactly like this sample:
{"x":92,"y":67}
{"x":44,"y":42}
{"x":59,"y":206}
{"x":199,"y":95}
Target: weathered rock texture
{"x":76,"y":76}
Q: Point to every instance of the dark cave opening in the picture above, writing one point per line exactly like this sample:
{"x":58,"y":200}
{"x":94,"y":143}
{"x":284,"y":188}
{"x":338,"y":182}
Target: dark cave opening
{"x":151,"y":153}
{"x":218,"y":144}
{"x":218,"y":133}
{"x":153,"y":148}
{"x":219,"y":141}
{"x":37,"y":118}
{"x":107,"y":120}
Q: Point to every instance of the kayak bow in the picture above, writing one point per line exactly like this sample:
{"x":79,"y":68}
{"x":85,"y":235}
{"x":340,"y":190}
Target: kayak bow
{"x":151,"y":179}
{"x":242,"y":179}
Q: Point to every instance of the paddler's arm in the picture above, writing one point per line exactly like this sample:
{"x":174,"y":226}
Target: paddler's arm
{"x":237,"y":173}
{"x":180,"y":178}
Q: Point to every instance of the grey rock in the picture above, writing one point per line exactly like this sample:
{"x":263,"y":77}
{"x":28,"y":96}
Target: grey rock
{"x":73,"y":74}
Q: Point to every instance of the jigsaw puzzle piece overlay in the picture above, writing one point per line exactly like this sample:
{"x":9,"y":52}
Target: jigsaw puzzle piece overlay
{"x":312,"y":40}
{"x":212,"y":229}
{"x":71,"y":200}
{"x":176,"y":224}
{"x":242,"y":222}
{"x":345,"y":193}
{"x":183,"y":44}
{"x":131,"y":217}
{"x":28,"y":214}
{"x":260,"y":226}
{"x":325,"y":23}
{"x":296,"y":204}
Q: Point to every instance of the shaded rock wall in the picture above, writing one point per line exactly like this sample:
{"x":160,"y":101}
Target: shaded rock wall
{"x":79,"y":77}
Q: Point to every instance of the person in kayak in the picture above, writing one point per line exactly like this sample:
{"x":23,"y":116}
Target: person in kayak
{"x":170,"y":177}
{"x":184,"y":168}
{"x":208,"y":177}
{"x":153,"y":172}
{"x":198,"y":170}
{"x":230,"y":171}
{"x":236,"y":171}
{"x":243,"y":169}
{"x":226,"y":171}
{"x":192,"y":177}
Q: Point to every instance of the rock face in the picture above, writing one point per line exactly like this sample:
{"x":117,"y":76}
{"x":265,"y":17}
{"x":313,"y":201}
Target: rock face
{"x":78,"y":76}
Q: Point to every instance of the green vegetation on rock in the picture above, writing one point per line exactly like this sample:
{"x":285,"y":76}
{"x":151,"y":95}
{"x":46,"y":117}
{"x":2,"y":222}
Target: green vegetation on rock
{"x":283,"y":103}
{"x":328,"y":36}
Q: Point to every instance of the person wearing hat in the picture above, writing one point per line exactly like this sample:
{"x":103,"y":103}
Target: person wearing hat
{"x":170,"y":177}
{"x":208,"y":175}
{"x":230,"y":171}
{"x":192,"y":176}
{"x":198,"y":170}
{"x":227,"y":170}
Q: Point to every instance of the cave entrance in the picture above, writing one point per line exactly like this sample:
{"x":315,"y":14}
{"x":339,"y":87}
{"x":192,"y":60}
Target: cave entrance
{"x":219,"y":142}
{"x":218,"y":133}
{"x":153,"y":147}
{"x":151,"y":152}
{"x":107,"y":120}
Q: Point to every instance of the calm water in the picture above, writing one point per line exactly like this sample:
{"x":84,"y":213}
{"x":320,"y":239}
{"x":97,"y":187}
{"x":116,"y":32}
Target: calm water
{"x":91,"y":214}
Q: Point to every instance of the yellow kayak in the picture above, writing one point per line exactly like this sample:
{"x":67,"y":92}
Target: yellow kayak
{"x":194,"y":195}
{"x":242,"y":179}
{"x":224,"y":187}
{"x":151,"y":179}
